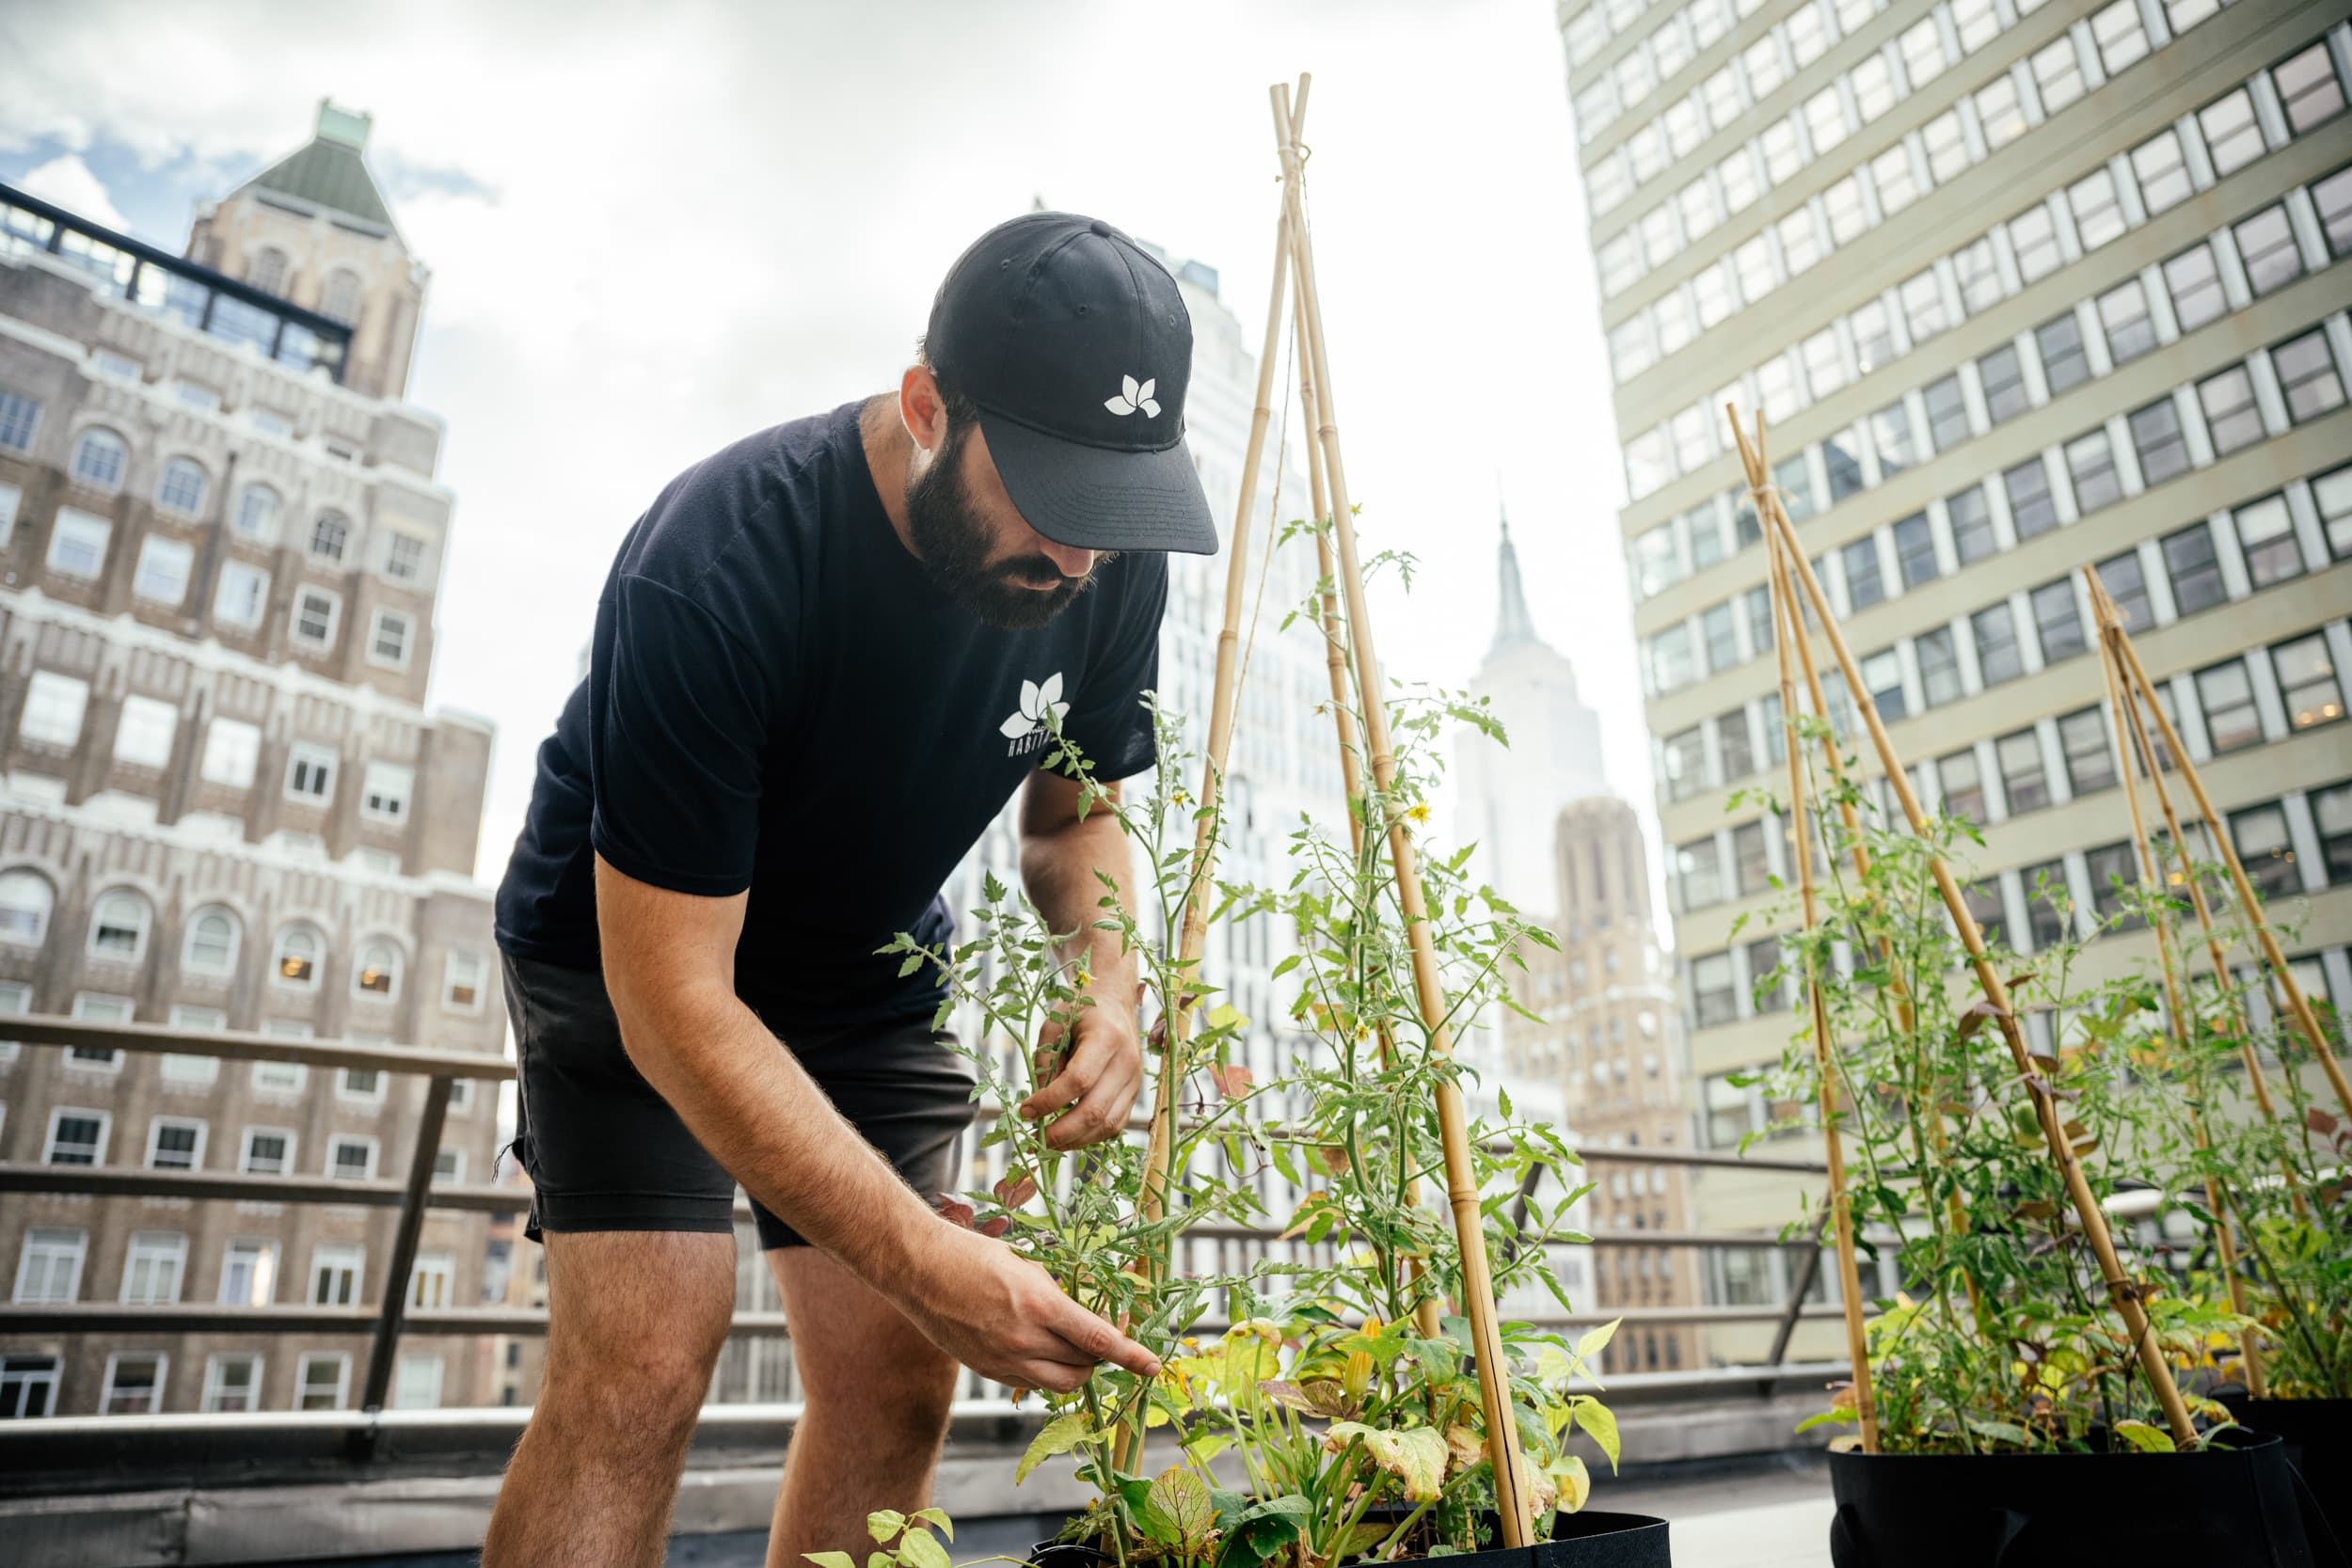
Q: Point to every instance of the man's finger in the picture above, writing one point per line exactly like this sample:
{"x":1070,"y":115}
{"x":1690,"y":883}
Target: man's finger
{"x":1093,"y":1337}
{"x":1078,"y":1074}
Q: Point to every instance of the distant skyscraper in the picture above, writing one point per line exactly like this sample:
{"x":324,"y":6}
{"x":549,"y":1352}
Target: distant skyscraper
{"x":2020,"y":286}
{"x":1508,"y":798}
{"x":222,"y":802}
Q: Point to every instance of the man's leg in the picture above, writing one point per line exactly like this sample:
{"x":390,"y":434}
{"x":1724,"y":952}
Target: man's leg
{"x":877,"y":1397}
{"x":635,"y":1322}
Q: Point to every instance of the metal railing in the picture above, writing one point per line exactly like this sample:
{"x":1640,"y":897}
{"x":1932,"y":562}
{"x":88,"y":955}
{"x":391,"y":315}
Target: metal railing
{"x":416,"y":1193}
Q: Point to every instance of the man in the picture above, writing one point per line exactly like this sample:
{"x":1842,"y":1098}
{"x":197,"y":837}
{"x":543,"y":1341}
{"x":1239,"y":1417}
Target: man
{"x":821,"y":666}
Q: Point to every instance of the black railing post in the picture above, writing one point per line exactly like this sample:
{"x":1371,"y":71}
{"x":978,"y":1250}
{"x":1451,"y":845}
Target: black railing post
{"x":420,"y":1162}
{"x":1806,"y":1274}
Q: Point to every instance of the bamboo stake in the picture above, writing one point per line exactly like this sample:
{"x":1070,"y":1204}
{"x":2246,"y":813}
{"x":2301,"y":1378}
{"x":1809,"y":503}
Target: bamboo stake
{"x":1789,"y":627}
{"x":2121,"y":1291}
{"x":1426,"y":1312}
{"x":2137,"y":743}
{"x":2175,"y":996}
{"x":2296,"y":1002}
{"x":1478,"y":1301}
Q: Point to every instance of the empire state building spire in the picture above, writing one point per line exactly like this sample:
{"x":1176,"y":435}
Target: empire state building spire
{"x":1513,"y":625}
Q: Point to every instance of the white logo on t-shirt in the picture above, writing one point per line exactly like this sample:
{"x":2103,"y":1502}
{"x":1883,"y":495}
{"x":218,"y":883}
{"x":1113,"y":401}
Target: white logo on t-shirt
{"x":1132,"y":397}
{"x":1026,"y":728}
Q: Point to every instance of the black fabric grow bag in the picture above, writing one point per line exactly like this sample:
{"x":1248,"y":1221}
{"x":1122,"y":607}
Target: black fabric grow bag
{"x":1589,"y":1540}
{"x":2318,"y":1444}
{"x":2233,"y":1506}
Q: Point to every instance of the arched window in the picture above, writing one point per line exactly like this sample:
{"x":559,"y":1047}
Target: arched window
{"x":181,"y":488}
{"x":295,"y":961}
{"x":376,"y":970}
{"x":211,"y":947}
{"x":267,"y":271}
{"x":26,"y":899}
{"x":118,"y":927}
{"x":341,"y":301}
{"x":256,"y":513}
{"x":328,"y":536}
{"x":98,"y":459}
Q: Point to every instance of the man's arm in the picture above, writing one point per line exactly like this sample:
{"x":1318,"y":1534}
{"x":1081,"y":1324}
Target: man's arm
{"x":669,"y":965}
{"x":1102,"y":1072}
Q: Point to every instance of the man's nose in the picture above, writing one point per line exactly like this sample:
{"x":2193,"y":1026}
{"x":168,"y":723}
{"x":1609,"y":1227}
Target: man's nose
{"x":1068,"y":561}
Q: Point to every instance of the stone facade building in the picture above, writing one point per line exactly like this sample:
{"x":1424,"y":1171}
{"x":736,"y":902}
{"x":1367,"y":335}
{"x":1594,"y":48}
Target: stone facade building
{"x":222,"y":802}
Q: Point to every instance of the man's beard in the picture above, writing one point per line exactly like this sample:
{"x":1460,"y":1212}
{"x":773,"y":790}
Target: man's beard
{"x":953,"y":543}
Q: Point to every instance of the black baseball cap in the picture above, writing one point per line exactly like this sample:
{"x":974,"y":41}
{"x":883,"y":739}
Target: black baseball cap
{"x":1076,"y":347}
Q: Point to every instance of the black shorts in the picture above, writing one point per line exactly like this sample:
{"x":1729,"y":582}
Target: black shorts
{"x":606,"y":1152}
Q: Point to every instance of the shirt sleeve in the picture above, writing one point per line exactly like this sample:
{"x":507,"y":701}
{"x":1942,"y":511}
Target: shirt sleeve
{"x":1110,"y":722}
{"x":678,"y":720}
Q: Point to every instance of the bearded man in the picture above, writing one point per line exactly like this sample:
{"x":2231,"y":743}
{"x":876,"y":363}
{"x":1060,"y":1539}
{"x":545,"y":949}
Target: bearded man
{"x":824,"y":660}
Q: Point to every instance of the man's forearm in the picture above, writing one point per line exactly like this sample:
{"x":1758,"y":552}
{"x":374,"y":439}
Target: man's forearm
{"x":1059,"y":870}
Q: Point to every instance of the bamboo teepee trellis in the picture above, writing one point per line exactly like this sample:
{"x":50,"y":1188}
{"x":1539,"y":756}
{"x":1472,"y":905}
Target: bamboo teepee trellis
{"x":2121,"y":1292}
{"x":1478,"y":1302}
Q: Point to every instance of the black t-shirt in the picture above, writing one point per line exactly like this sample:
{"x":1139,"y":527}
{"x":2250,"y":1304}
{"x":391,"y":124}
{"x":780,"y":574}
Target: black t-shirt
{"x":780,"y":699}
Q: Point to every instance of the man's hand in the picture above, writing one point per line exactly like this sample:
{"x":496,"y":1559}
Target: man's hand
{"x":1005,"y":1318}
{"x":1097,"y":1077}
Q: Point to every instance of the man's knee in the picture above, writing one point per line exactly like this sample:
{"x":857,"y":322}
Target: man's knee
{"x":635,"y":1325}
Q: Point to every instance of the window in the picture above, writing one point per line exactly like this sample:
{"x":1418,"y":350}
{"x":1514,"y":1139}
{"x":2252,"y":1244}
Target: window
{"x":1657,"y":230}
{"x":429,"y":1281}
{"x":309,"y":772}
{"x":1845,"y":468}
{"x":1824,"y":367}
{"x":2119,"y":36}
{"x":1962,"y":783}
{"x":1882,"y":677}
{"x":2231,"y":415}
{"x":2157,"y":438}
{"x":18,"y":418}
{"x":268,"y":1151}
{"x":1946,"y":145}
{"x":2033,"y":236}
{"x":2184,"y":14}
{"x":375,"y":970}
{"x":2332,"y":494}
{"x":49,"y":1268}
{"x":28,"y":1386}
{"x":2307,"y":682}
{"x":180,"y":488}
{"x":1997,"y":656}
{"x":2266,"y":242}
{"x":449,"y":1166}
{"x":248,"y":1274}
{"x":118,"y":927}
{"x":1923,"y":307}
{"x":2266,"y":534}
{"x":77,"y":1137}
{"x":2058,"y":74}
{"x":2332,"y":198}
{"x":2098,"y":211}
{"x":1731,"y":745}
{"x":175,"y":1143}
{"x":163,"y":570}
{"x":1971,"y":516}
{"x":135,"y":1385}
{"x":1979,"y":274}
{"x":335,"y":1271}
{"x":2233,"y":136}
{"x":232,"y":1383}
{"x":2023,"y":779}
{"x":1842,"y":203}
{"x":364,"y":1085}
{"x":243,"y":594}
{"x":2031,"y":507}
{"x":2004,"y":377}
{"x":2056,"y":619}
{"x":1947,"y":413}
{"x":2307,"y":90}
{"x":384,"y":791}
{"x":98,"y":459}
{"x":2083,"y":739}
{"x":1864,"y":586}
{"x":2226,"y":692}
{"x":417,"y":1383}
{"x":231,"y":750}
{"x":152,"y":1267}
{"x":2260,"y":834}
{"x":1800,"y":242}
{"x":1891,"y":177}
{"x":1684,"y":763}
{"x":295,"y":960}
{"x":1713,"y":997}
{"x":350,"y":1158}
{"x":2307,"y":376}
{"x":2000,"y":112}
{"x":388,"y":638}
{"x":2048,"y":904}
{"x":257,"y":514}
{"x":1759,"y":606}
{"x":2194,"y":282}
{"x":1747,"y":858}
{"x":1670,"y":659}
{"x":322,"y":1380}
{"x":2189,"y":560}
{"x":2123,"y":311}
{"x":1939,"y":666}
{"x":2063,"y":362}
{"x":143,"y":733}
{"x":2120,"y":576}
{"x":1988,"y":909}
{"x":1915,"y":549}
{"x":2162,"y":170}
{"x":1698,"y":869}
{"x":404,"y":557}
{"x":340,"y":301}
{"x":314,"y":614}
{"x":78,"y":544}
{"x":2331,"y":814}
{"x":1891,"y":432}
{"x":26,"y":900}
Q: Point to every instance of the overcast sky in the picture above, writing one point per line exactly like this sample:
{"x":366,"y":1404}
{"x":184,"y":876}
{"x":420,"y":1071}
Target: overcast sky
{"x":653,"y":228}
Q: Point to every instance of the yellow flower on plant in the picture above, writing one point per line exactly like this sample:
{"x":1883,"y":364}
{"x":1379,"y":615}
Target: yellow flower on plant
{"x":1418,"y":811}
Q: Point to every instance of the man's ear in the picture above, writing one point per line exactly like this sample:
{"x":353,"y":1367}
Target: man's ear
{"x":921,"y":409}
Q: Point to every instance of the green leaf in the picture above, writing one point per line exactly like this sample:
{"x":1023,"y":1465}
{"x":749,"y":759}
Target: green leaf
{"x":2148,"y":1439}
{"x":1595,"y":1340}
{"x":1596,"y":1419}
{"x":914,"y":961}
{"x":1179,"y":1510}
{"x":920,"y":1548}
{"x":1503,"y":1102}
{"x":885,"y":1523}
{"x":831,"y":1560}
{"x":937,"y":1518}
{"x":1059,"y":1435}
{"x":1261,"y":1531}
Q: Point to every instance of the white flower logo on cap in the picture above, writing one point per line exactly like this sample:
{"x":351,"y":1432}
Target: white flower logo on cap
{"x":1132,"y":397}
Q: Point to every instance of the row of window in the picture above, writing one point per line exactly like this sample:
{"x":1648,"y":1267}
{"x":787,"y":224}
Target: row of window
{"x":2255,"y":256}
{"x":2108,"y":201}
{"x":2191,"y":427}
{"x":232,"y":1383}
{"x":78,"y":1136}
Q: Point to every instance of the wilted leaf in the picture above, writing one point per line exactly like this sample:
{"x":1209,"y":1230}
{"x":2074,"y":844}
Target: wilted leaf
{"x":1574,"y":1480}
{"x":1233,"y":1082}
{"x":1466,"y":1447}
{"x":954,"y":1209}
{"x":1416,"y":1458}
{"x":1016,"y":1189}
{"x":1059,"y":1435}
{"x":2320,"y":1121}
{"x":1334,"y":1159}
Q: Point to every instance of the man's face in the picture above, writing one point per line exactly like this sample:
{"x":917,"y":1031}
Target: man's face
{"x":975,"y":544}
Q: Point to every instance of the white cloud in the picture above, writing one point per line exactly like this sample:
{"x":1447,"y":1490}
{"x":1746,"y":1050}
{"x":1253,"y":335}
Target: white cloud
{"x":680,"y":224}
{"x":67,"y":182}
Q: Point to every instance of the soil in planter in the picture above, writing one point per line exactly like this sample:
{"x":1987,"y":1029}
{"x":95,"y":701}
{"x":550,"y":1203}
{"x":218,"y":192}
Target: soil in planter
{"x":2234,"y":1505}
{"x":2319,"y":1445}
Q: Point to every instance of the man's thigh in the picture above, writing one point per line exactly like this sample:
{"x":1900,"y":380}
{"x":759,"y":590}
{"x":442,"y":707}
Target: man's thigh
{"x":650,"y":1305}
{"x":849,"y":1343}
